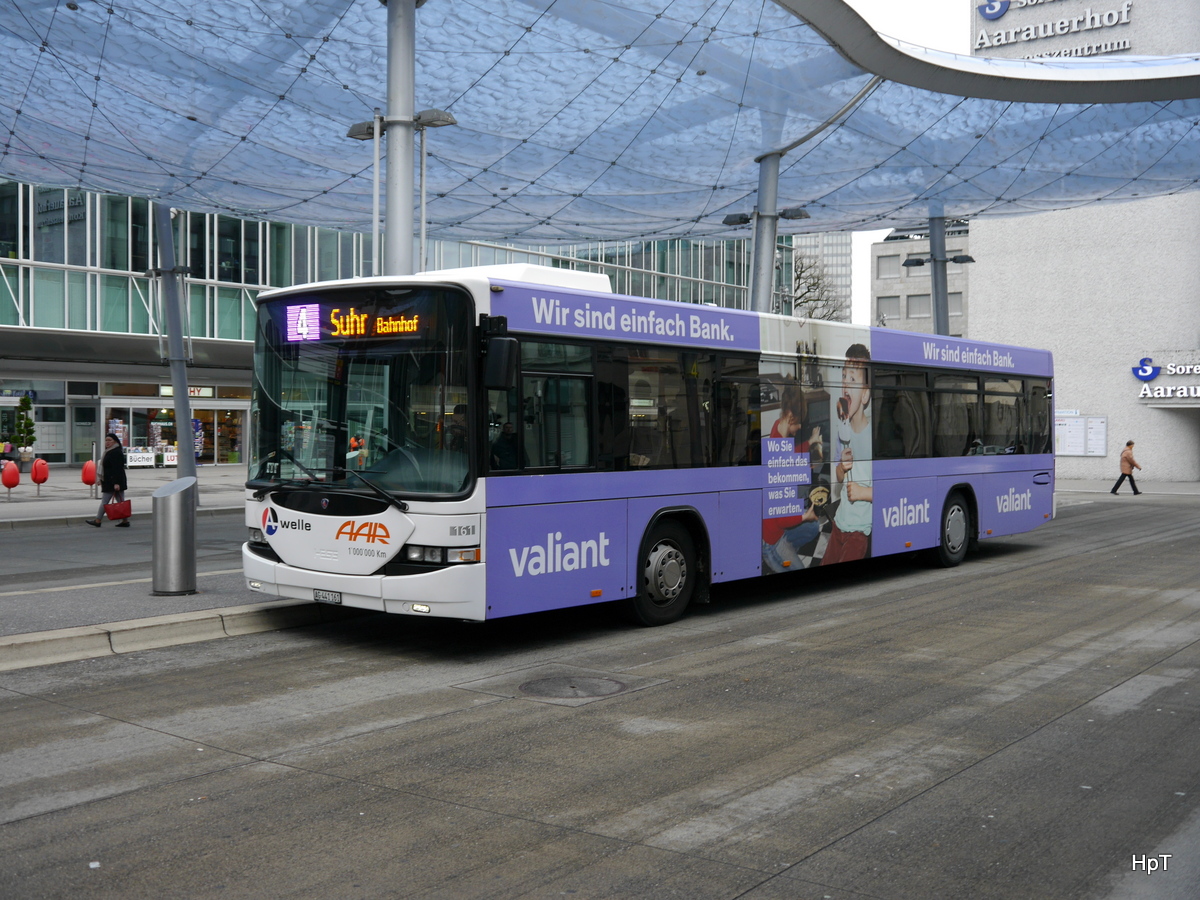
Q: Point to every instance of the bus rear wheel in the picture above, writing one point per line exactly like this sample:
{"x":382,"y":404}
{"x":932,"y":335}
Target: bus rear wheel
{"x":955,"y":532}
{"x":667,"y":572}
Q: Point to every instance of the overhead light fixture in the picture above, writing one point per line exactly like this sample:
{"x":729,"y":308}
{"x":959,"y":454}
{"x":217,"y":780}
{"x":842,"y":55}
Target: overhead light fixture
{"x":794,"y":212}
{"x":736,"y":219}
{"x":434,"y":118}
{"x":917,"y":261}
{"x":362,"y":131}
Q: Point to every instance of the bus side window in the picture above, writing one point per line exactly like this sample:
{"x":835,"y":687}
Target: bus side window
{"x":738,"y":415}
{"x":504,"y":431}
{"x":1004,"y":415}
{"x":556,"y":421}
{"x":1040,"y":424}
{"x":956,"y":416}
{"x":612,"y":399}
{"x":901,"y":424}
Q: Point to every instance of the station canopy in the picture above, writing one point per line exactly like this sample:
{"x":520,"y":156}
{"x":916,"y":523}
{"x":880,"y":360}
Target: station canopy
{"x":578,"y":119}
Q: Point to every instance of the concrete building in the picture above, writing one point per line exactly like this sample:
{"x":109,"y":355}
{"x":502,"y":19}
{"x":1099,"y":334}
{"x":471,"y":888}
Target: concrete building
{"x":902,"y":296}
{"x":828,"y":257}
{"x":1109,"y":289}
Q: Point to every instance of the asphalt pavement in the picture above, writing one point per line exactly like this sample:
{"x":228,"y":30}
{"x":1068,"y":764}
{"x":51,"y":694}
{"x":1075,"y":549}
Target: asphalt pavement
{"x":70,"y":591}
{"x":1022,"y":727}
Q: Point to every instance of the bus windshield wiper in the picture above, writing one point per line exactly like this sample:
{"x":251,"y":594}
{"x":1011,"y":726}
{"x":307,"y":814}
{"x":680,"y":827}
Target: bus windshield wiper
{"x":313,"y":477}
{"x":394,"y":501}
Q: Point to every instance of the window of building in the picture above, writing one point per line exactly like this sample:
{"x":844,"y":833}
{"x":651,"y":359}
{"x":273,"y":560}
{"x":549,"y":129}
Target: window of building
{"x":10,"y":201}
{"x":887,"y":267}
{"x":920,"y":306}
{"x":954,"y":303}
{"x":888,"y":307}
{"x":114,"y":233}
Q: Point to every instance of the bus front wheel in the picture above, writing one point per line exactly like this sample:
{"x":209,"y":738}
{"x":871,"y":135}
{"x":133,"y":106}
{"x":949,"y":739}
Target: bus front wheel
{"x":955,"y":532}
{"x":667,"y":571}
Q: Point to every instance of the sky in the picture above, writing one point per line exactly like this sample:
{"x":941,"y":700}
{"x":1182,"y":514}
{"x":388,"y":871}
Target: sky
{"x":939,"y":24}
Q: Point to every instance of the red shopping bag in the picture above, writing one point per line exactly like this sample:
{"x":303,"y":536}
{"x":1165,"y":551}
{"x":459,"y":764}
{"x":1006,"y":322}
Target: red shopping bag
{"x":118,"y":509}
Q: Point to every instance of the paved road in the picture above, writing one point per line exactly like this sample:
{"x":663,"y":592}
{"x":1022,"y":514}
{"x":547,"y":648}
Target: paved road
{"x":56,"y":577}
{"x":1021,"y":727}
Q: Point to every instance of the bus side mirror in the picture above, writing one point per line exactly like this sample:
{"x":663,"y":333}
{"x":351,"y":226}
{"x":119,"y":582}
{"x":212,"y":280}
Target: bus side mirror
{"x":500,"y":363}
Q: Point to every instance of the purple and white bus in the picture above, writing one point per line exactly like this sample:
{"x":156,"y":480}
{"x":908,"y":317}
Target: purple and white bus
{"x":480,"y":443}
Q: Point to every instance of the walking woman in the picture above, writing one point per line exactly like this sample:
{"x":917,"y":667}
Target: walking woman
{"x":1128,"y":464}
{"x":112,"y":481}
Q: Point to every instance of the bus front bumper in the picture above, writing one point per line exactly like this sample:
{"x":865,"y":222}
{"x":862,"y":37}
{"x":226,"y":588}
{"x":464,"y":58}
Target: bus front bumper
{"x":455,"y":592}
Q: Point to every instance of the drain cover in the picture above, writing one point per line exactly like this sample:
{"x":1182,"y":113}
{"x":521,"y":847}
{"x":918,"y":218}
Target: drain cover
{"x":571,"y":687}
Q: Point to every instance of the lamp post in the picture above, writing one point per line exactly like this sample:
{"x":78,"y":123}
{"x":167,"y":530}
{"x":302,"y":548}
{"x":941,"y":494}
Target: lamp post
{"x":372,"y":131}
{"x":765,"y":217}
{"x":428,"y":118}
{"x":937,"y":259}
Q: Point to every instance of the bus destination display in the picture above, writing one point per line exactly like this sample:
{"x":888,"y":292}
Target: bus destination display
{"x":307,"y":322}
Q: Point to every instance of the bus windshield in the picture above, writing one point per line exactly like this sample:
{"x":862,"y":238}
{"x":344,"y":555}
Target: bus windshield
{"x":364,"y":380}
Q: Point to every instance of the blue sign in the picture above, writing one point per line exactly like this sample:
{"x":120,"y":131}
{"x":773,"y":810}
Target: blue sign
{"x":994,"y":9}
{"x":1143,"y":371}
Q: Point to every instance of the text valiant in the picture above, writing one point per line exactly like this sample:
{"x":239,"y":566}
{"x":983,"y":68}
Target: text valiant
{"x":557,"y":555}
{"x":905,"y":513}
{"x":1014,"y":502}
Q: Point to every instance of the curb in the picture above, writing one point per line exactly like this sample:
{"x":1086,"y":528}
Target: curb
{"x":43,"y":648}
{"x":77,"y":519}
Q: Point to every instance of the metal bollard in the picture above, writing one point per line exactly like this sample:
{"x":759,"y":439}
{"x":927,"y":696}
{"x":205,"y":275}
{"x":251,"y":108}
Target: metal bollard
{"x":174,"y":550}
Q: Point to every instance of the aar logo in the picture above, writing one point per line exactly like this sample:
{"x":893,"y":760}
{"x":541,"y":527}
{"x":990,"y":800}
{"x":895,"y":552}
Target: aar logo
{"x":270,"y":522}
{"x":994,"y":9}
{"x":1144,"y":371}
{"x":371,"y":532}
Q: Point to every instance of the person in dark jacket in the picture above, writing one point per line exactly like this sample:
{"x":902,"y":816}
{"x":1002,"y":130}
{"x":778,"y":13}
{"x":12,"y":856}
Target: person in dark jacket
{"x":112,"y":480}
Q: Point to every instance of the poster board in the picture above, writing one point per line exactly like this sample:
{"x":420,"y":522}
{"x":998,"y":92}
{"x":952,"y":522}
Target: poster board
{"x":1080,"y":435}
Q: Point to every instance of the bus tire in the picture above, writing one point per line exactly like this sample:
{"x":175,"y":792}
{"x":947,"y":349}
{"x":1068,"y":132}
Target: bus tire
{"x":667,"y":575}
{"x":955,"y":532}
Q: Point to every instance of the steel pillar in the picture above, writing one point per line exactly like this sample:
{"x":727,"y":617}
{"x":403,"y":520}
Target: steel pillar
{"x":766,"y":227}
{"x":401,"y":88}
{"x":937,"y":262}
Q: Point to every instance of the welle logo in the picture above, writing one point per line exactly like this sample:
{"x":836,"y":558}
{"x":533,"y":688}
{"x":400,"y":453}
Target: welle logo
{"x":557,"y":555}
{"x":272,"y":523}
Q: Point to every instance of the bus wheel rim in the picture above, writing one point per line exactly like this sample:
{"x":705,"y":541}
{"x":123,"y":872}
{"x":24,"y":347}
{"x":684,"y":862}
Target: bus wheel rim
{"x":666,"y":574}
{"x":956,"y":528}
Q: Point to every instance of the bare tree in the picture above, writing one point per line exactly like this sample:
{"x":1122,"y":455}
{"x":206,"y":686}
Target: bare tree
{"x":813,"y":295}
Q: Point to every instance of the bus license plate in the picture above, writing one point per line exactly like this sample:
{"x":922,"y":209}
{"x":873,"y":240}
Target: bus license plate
{"x":327,"y":596}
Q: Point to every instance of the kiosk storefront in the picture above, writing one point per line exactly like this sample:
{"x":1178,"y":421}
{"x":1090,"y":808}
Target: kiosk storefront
{"x":143,"y":417}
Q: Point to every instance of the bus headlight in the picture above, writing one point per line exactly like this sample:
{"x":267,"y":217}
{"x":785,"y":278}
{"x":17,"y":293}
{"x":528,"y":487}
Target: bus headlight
{"x":417,"y":553}
{"x":256,"y":536}
{"x":440,"y":555}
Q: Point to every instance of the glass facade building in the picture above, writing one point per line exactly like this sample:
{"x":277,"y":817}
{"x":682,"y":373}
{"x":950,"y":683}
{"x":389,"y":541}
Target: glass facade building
{"x":80,"y":314}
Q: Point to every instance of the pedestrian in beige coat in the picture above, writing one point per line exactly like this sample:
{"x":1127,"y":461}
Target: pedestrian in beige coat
{"x":1128,"y":464}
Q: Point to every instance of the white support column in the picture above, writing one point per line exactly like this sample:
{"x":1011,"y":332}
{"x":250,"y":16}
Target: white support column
{"x":766,"y":226}
{"x":401,"y":87}
{"x":173,"y":319}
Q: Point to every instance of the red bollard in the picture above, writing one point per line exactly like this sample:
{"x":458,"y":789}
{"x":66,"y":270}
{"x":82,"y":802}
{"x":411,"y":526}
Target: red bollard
{"x":89,"y":473}
{"x":39,"y":472}
{"x":10,"y":478}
